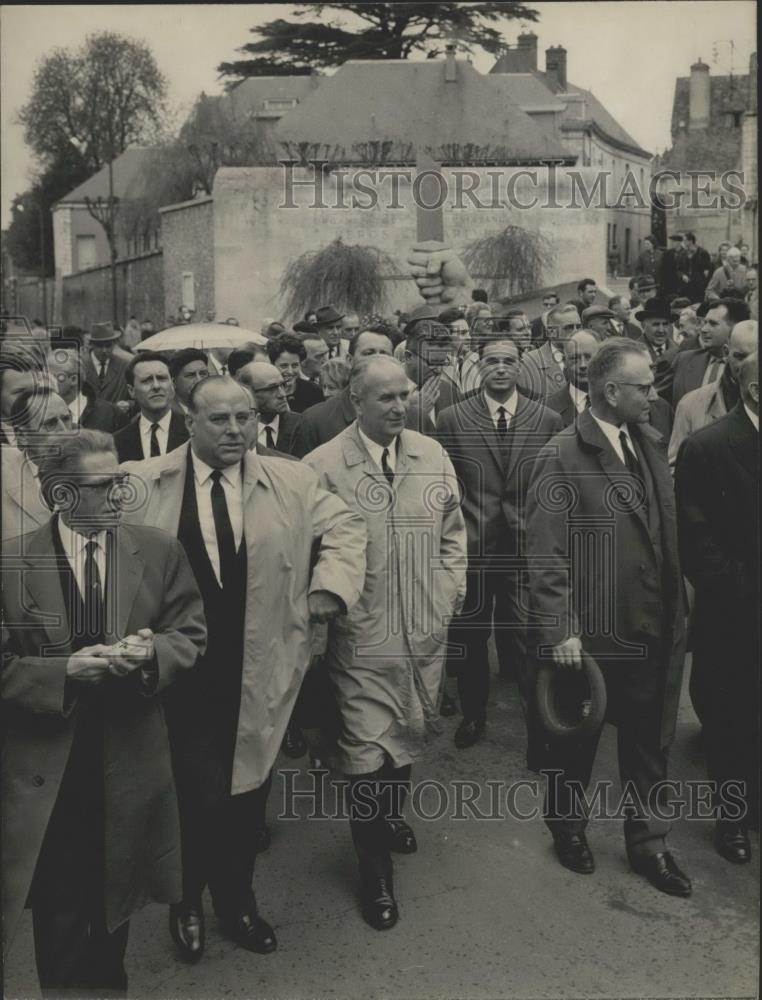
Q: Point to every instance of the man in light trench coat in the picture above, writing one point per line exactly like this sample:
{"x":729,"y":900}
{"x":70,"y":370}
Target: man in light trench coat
{"x":249,"y":524}
{"x":386,"y":658}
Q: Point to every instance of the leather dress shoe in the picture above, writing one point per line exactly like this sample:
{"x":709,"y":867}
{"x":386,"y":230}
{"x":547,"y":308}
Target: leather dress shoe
{"x":401,"y":837}
{"x":186,"y":925}
{"x":262,"y":839}
{"x":379,"y":907}
{"x":448,"y":708}
{"x":293,"y":744}
{"x":732,"y":842}
{"x":251,"y":932}
{"x":573,"y":851}
{"x":468,"y":732}
{"x":663,"y":873}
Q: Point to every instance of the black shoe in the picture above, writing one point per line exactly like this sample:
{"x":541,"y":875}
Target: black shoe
{"x":262,"y":839}
{"x":401,"y":837}
{"x":186,"y":925}
{"x":468,"y":732}
{"x":293,"y":744}
{"x":662,"y":872}
{"x":573,"y":851}
{"x":379,"y":907}
{"x":251,"y":932}
{"x":448,"y":708}
{"x":732,"y":842}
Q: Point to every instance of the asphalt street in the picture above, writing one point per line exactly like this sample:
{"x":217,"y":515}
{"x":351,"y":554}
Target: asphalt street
{"x":486,"y":910}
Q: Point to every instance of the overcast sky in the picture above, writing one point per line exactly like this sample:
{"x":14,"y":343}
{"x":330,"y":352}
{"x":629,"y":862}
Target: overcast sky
{"x":627,"y":53}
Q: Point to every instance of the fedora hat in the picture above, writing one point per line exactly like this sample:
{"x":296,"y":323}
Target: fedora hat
{"x":597,"y":312}
{"x":103,"y":333}
{"x":571,"y":702}
{"x":655,"y":309}
{"x":327,"y":316}
{"x":420,"y":313}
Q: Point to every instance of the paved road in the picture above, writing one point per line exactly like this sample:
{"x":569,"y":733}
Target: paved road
{"x":486,"y":911}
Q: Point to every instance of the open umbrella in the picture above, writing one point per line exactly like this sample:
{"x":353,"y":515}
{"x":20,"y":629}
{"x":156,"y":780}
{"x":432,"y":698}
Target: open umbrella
{"x":201,"y":335}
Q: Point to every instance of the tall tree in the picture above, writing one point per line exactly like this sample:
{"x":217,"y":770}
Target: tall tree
{"x":370,"y":31}
{"x":91,"y":103}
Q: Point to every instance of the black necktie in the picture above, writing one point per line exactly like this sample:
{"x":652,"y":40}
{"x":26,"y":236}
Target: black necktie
{"x":93,"y":595}
{"x":630,"y":458}
{"x":223,"y":529}
{"x":502,"y":422}
{"x":270,"y":437}
{"x":587,"y":401}
{"x":659,"y":350}
{"x":386,"y":468}
{"x":102,"y":373}
{"x":155,"y":449}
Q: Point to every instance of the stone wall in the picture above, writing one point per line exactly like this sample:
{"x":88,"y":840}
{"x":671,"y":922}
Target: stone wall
{"x":187,"y":234}
{"x":86,"y":296}
{"x":256,"y":236}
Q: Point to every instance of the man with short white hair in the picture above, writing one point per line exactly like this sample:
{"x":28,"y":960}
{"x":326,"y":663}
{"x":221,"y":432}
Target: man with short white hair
{"x":731,"y":275}
{"x":388,"y":677}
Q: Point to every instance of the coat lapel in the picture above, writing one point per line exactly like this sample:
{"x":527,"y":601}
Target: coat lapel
{"x":126,"y":570}
{"x":42,"y":581}
{"x":611,"y":464}
{"x":743,"y":441}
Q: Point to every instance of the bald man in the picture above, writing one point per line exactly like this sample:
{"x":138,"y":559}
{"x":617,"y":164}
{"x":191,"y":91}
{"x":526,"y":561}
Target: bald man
{"x":579,"y":350}
{"x":717,"y":491}
{"x":277,"y":424}
{"x":714,"y":400}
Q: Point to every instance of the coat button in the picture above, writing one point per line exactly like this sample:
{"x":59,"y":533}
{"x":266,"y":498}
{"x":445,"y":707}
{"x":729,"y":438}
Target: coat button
{"x":38,"y":780}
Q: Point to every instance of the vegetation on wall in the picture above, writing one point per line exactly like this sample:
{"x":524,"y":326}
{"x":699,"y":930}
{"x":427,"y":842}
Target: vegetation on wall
{"x":512,"y":261}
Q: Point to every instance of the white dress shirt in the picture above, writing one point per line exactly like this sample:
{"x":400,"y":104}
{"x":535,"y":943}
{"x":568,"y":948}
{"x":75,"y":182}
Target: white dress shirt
{"x":162,"y":433}
{"x":376,"y":451}
{"x":273,"y":425}
{"x":578,"y":397}
{"x":612,"y":432}
{"x":8,"y":431}
{"x":509,"y":406}
{"x":77,"y":407}
{"x":232,"y":484}
{"x":75,"y":548}
{"x":754,"y":417}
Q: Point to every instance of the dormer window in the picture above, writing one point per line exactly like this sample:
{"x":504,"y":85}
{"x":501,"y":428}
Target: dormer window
{"x":280,"y":105}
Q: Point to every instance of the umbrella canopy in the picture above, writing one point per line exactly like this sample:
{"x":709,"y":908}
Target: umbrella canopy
{"x":201,"y":335}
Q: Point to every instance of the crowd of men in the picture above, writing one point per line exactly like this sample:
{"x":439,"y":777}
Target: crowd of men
{"x":180,"y":532}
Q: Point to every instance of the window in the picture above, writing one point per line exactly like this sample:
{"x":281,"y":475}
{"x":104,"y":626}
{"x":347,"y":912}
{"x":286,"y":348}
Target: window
{"x":613,"y":236}
{"x":608,"y":234}
{"x":627,"y":246}
{"x":189,"y":291}
{"x":280,"y":105}
{"x":85,"y":252}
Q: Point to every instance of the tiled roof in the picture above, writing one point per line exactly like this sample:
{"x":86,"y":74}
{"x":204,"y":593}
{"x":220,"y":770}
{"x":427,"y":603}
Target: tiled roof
{"x":381,"y":111}
{"x":129,"y":178}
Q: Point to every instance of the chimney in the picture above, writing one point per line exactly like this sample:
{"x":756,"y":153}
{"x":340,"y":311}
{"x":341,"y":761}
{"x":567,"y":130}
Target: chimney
{"x":451,"y":73}
{"x":698,"y":114}
{"x":527,"y":51}
{"x":555,"y":66}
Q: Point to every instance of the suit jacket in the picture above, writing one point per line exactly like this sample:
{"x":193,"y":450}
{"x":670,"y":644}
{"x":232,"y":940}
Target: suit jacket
{"x":284,"y":512}
{"x":660,"y":417}
{"x":717,"y":489}
{"x":696,"y":409}
{"x":697,"y":269}
{"x":494,"y":474}
{"x":130,"y":448}
{"x":154,"y":588}
{"x":602,"y":563}
{"x":287,"y":427}
{"x":540,"y":375}
{"x":22,"y":507}
{"x":323,"y":422}
{"x":114,"y":388}
{"x":689,"y":368}
{"x":99,"y":414}
{"x":306,"y":394}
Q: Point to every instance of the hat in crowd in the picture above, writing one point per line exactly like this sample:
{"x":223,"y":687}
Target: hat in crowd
{"x":703,"y":307}
{"x":655,"y":309}
{"x":571,"y":703}
{"x":451,"y":315}
{"x":419,"y":313}
{"x":678,"y":304}
{"x":597,"y":312}
{"x":304,"y":327}
{"x":676,"y":236}
{"x":178,"y":361}
{"x":103,"y":333}
{"x":327,"y":316}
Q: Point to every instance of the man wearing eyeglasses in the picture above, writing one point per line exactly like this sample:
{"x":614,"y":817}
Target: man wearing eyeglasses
{"x":100,"y":620}
{"x":540,"y":325}
{"x":543,"y":367}
{"x":604,"y":578}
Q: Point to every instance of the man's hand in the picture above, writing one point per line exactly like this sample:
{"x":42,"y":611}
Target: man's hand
{"x":324,"y":606}
{"x":567,"y":655}
{"x":428,"y":394}
{"x":89,"y":665}
{"x":439,"y":272}
{"x":131,"y":653}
